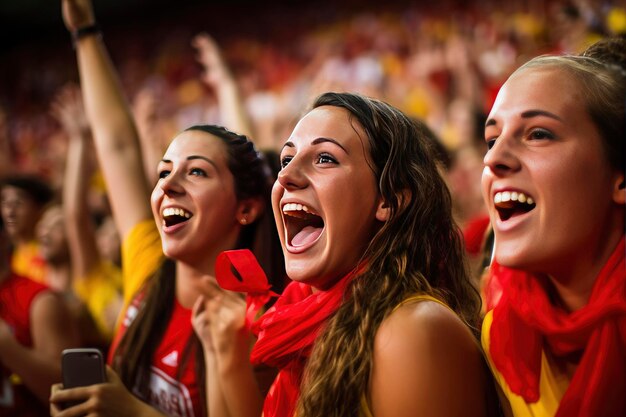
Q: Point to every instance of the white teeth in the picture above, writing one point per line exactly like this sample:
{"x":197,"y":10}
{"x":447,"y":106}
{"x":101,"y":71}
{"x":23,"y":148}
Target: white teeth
{"x":505,"y":196}
{"x":175,"y":211}
{"x":296,"y":207}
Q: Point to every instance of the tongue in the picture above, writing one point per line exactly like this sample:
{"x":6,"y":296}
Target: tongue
{"x":306,"y":236}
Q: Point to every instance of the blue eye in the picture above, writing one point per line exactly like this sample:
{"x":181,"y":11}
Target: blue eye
{"x":285,"y":161}
{"x":197,"y":172}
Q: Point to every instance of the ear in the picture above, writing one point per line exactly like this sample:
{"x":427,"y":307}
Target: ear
{"x":248,"y":210}
{"x":382,"y":210}
{"x":619,"y":189}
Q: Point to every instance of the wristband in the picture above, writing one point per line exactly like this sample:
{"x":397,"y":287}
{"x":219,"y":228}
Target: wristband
{"x":93,"y":29}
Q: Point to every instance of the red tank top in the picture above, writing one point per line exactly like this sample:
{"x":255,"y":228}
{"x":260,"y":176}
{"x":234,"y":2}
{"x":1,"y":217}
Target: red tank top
{"x":16,"y":298}
{"x":173,"y":385}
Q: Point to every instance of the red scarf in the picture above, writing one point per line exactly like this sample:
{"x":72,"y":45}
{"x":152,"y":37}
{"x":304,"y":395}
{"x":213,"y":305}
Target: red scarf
{"x":524,"y":321}
{"x":286,"y":333}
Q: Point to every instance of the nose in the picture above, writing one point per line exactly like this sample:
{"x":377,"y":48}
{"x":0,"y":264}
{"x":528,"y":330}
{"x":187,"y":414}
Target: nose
{"x":171,"y":185}
{"x":502,"y":158}
{"x":292,"y":176}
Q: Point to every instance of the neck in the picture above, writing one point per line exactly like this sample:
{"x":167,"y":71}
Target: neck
{"x":59,"y":277}
{"x":192,"y":282}
{"x":574,"y":284}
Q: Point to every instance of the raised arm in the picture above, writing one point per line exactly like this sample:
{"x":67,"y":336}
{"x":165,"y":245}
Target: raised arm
{"x":218,"y":77}
{"x":115,"y":135}
{"x":150,"y":134}
{"x":68,"y":109}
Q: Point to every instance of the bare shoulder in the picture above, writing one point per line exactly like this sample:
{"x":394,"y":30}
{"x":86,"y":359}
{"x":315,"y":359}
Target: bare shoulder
{"x":427,"y":362}
{"x":427,"y":324}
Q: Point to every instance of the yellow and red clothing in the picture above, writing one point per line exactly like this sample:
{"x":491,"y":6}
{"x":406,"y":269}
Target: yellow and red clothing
{"x":524,"y":335}
{"x":17,"y":295}
{"x":173,"y":390}
{"x":26,"y":261}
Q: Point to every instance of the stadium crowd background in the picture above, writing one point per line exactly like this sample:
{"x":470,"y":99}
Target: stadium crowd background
{"x":442,"y":62}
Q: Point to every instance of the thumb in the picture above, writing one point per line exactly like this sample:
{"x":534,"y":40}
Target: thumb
{"x":112,"y":377}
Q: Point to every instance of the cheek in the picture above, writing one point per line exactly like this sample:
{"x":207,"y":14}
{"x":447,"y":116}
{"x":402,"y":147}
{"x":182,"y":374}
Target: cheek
{"x":155,"y":201}
{"x":277,"y":193}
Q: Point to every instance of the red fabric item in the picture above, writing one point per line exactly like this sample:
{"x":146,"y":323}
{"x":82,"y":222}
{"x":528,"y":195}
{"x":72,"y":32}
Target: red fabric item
{"x":524,"y":321}
{"x":474,"y":234}
{"x":238,"y":270}
{"x":286,"y":333}
{"x":17,"y":295}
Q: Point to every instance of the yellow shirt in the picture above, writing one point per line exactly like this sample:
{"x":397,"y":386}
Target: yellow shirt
{"x":100,"y":290}
{"x":552,"y":384}
{"x":27,"y":262}
{"x":142,"y":254}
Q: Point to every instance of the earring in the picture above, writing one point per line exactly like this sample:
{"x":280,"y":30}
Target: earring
{"x":243,"y":221}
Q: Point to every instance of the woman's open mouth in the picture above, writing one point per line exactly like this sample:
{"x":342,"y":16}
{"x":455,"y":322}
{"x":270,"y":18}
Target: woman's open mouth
{"x":302,"y":225}
{"x":512,"y":203}
{"x":175,"y":215}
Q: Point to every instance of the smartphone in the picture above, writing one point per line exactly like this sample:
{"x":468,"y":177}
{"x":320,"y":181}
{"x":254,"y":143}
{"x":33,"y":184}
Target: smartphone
{"x":82,"y":367}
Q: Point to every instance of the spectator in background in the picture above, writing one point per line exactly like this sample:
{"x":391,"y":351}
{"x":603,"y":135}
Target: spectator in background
{"x":23,"y":198}
{"x":89,"y":278}
{"x":35,"y":327}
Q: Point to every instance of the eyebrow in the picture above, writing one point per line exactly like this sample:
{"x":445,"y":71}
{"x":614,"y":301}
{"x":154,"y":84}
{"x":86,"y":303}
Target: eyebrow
{"x":529,"y":114}
{"x":192,"y":157}
{"x":317,"y":141}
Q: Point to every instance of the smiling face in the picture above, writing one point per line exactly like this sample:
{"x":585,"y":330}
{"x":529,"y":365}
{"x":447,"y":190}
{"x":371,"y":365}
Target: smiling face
{"x":548,"y":185}
{"x":20,"y":213}
{"x":52,"y":237}
{"x":194,"y":202}
{"x":326,"y":198}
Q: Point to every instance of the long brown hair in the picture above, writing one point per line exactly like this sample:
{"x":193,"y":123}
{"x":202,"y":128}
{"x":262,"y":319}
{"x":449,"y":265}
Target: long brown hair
{"x":418,"y":250}
{"x":133,"y":357}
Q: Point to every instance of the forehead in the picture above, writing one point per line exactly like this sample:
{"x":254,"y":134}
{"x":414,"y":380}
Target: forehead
{"x":9,"y":191}
{"x":329,"y":122}
{"x":52,"y":214}
{"x":197,"y":143}
{"x":546,"y":88}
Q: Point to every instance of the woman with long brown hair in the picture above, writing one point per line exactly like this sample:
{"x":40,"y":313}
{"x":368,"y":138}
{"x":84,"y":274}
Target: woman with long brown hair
{"x":379,"y":319}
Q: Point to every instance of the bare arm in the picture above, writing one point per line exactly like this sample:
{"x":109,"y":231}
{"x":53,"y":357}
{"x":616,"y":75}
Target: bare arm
{"x":217,"y":76}
{"x":68,"y":110}
{"x":115,"y":135}
{"x":426,"y":363}
{"x":52,"y":330}
{"x":150,"y":135}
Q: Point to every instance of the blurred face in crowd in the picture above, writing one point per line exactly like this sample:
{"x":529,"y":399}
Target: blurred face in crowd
{"x":325,"y":198}
{"x":194,"y":202}
{"x":547,"y":181}
{"x":52,"y":237}
{"x":19,"y":212}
